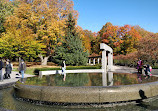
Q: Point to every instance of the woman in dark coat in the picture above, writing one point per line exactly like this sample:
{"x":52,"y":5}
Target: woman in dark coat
{"x":8,"y":69}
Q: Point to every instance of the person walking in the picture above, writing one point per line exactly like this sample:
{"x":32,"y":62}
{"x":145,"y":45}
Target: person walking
{"x":8,"y":69}
{"x":22,"y":68}
{"x":63,"y":65}
{"x":1,"y":67}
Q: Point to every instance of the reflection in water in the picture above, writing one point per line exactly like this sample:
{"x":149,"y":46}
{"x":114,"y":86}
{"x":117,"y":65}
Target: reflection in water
{"x":107,"y":79}
{"x":92,"y":79}
{"x":110,"y":79}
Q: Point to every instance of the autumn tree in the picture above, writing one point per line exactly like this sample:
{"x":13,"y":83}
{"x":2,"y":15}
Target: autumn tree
{"x":142,"y":32}
{"x":86,"y":37}
{"x":71,"y":49}
{"x":122,"y":39}
{"x":148,"y":48}
{"x":95,"y":43}
{"x":111,"y":38}
{"x":129,"y":37}
{"x":19,"y":42}
{"x":6,"y":9}
{"x":45,"y":19}
{"x":104,"y":28}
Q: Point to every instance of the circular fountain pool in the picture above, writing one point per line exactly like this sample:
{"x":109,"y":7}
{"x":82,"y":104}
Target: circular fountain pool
{"x":87,"y":88}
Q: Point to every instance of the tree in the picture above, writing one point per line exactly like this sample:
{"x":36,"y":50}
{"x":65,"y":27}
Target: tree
{"x":86,"y":37}
{"x":71,"y":49}
{"x":123,"y":39}
{"x":129,"y":37}
{"x":19,"y":43}
{"x":111,"y":38}
{"x":95,"y":43}
{"x":6,"y":9}
{"x":104,"y":28}
{"x":148,"y":49}
{"x":142,"y":32}
{"x":44,"y":19}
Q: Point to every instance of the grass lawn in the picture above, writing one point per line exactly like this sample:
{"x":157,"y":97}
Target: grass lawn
{"x":33,"y":70}
{"x":28,"y":70}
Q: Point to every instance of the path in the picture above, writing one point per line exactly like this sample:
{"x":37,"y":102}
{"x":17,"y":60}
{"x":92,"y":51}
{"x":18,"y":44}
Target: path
{"x":124,"y":69}
{"x":13,"y":78}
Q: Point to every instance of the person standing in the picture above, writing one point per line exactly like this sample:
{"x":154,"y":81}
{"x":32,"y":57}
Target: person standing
{"x":1,"y":67}
{"x":22,"y":68}
{"x":8,"y":69}
{"x":63,"y":65}
{"x":139,"y":66}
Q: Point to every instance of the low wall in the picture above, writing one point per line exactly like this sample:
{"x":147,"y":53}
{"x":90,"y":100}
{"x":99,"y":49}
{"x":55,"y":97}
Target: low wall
{"x":70,"y":71}
{"x":85,"y":94}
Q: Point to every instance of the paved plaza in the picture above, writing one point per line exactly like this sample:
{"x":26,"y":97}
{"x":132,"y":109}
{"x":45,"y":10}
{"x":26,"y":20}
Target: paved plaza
{"x":14,"y":77}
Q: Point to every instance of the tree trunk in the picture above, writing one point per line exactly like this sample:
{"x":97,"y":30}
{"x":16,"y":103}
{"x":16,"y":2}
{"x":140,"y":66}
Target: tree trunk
{"x":19,"y":60}
{"x":43,"y":60}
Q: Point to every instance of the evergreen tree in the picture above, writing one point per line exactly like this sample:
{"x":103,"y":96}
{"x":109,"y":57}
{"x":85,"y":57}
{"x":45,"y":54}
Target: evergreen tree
{"x":71,"y":49}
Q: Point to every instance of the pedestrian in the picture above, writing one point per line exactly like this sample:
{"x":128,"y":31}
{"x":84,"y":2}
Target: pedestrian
{"x":8,"y":69}
{"x":1,"y":67}
{"x":22,"y":68}
{"x":147,"y":70}
{"x":140,"y":66}
{"x":63,"y":66}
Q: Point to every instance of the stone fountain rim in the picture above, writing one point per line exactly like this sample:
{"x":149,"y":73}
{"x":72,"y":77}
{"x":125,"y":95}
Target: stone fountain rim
{"x":87,"y":94}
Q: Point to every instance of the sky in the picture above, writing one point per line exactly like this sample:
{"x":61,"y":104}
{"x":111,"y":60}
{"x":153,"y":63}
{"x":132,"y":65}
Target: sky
{"x":93,"y":14}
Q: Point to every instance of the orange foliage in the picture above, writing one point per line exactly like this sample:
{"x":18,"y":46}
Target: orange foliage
{"x":148,"y":48}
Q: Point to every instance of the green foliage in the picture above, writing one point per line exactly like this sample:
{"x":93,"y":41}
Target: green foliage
{"x":71,"y":49}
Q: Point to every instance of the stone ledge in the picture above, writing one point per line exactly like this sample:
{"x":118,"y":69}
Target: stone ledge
{"x":85,"y":94}
{"x":70,"y":71}
{"x":2,"y":86}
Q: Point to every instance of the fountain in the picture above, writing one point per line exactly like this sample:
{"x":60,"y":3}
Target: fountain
{"x":93,"y":90}
{"x":89,"y":94}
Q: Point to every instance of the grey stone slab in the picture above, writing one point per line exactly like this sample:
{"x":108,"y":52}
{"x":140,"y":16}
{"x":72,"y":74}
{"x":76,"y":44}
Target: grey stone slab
{"x":154,"y":88}
{"x":28,"y":91}
{"x":88,"y":94}
{"x":124,"y":93}
{"x":71,"y":94}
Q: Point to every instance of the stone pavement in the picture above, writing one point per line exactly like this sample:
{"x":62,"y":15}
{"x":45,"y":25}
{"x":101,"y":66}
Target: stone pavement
{"x":13,"y":78}
{"x":125,"y":69}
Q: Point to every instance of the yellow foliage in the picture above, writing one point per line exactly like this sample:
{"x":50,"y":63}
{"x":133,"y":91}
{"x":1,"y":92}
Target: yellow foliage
{"x":38,"y":21}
